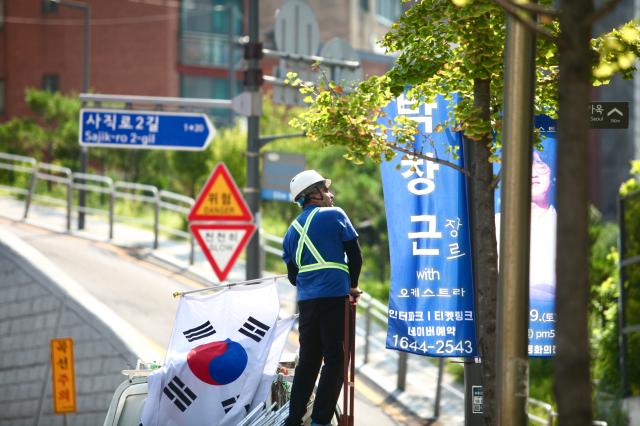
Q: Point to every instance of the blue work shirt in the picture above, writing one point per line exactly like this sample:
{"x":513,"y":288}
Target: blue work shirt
{"x":329,"y":228}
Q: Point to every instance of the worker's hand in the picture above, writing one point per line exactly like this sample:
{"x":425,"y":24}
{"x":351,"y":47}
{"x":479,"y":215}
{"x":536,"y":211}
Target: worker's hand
{"x":354,"y":294}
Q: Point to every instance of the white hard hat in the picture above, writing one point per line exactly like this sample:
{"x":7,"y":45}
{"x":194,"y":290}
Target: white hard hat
{"x":304,"y":180}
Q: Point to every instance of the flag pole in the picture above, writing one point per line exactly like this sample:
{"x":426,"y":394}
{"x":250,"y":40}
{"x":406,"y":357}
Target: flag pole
{"x":228,"y":285}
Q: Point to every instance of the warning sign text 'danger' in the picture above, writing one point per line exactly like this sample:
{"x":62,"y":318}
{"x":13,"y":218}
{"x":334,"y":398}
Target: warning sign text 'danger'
{"x":220,"y":200}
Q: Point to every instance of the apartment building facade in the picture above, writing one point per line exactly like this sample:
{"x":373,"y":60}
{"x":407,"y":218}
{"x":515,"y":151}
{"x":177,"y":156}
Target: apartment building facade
{"x":158,"y":47}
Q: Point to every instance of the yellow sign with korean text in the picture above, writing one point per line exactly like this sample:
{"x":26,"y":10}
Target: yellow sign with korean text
{"x":63,"y":376}
{"x":220,"y":200}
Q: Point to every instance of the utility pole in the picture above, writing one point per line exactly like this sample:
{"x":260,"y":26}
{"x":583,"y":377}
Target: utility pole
{"x":231,"y":40}
{"x":513,"y":280}
{"x":252,"y":82}
{"x":84,"y":154}
{"x":474,"y":409}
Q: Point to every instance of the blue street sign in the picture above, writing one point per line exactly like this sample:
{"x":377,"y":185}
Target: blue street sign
{"x":431,"y":309}
{"x":145,"y":129}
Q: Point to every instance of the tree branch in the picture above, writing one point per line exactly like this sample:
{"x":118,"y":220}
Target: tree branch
{"x":535,"y":8}
{"x":496,"y":180}
{"x":433,"y":159}
{"x":513,"y":11}
{"x":606,"y":8}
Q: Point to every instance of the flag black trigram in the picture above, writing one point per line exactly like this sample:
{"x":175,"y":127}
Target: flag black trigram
{"x":179,"y":393}
{"x":254,"y":329}
{"x":228,"y":404}
{"x":199,"y":332}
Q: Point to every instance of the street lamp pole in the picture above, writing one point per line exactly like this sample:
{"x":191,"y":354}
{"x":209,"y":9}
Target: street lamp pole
{"x":513,"y":282}
{"x":84,"y":153}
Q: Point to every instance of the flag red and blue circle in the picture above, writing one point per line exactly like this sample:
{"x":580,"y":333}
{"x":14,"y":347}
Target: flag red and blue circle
{"x":218,"y":363}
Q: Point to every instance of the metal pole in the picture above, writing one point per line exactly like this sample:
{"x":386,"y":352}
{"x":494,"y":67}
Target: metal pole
{"x":252,"y":189}
{"x":156,"y":221}
{"x":69,"y":203}
{"x":513,"y":280}
{"x":367,"y":332}
{"x":232,"y":77}
{"x":402,"y":371}
{"x":32,"y":190}
{"x":473,"y":413}
{"x":622,"y":336}
{"x":436,"y":402}
{"x":84,"y":152}
{"x":112,"y":201}
{"x":344,"y":419}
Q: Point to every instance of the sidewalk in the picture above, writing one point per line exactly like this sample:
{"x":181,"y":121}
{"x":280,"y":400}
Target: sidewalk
{"x":380,"y":370}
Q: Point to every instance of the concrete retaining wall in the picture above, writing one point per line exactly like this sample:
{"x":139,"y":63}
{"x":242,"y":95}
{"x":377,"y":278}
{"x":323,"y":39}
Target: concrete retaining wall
{"x":38,"y":303}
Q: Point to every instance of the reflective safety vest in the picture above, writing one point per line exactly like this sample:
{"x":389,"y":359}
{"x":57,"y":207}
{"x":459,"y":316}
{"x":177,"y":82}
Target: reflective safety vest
{"x":305,"y":240}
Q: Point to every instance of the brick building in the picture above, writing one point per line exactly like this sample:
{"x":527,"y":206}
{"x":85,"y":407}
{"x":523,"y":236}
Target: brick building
{"x":157,"y":47}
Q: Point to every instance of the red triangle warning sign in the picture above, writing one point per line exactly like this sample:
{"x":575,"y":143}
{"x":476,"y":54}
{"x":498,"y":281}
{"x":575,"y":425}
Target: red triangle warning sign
{"x":222,"y":244}
{"x":220,"y":199}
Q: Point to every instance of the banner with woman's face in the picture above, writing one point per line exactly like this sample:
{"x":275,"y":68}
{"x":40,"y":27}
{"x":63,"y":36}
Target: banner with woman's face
{"x":542,"y":254}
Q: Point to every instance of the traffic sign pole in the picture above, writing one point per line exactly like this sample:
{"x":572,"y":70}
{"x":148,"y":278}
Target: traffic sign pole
{"x":253,"y":81}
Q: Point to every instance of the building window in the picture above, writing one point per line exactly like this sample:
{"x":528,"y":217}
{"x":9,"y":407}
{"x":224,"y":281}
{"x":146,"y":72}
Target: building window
{"x":364,"y":5}
{"x":389,"y":10}
{"x":1,"y":14}
{"x":195,"y":86}
{"x":1,"y":96}
{"x":205,"y":29}
{"x":50,"y":82}
{"x":49,"y":6}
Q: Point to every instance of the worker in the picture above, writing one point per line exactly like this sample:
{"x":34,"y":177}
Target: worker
{"x":314,"y":250}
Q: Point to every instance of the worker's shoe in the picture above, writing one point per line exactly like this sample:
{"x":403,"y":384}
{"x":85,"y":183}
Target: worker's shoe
{"x":318,"y":424}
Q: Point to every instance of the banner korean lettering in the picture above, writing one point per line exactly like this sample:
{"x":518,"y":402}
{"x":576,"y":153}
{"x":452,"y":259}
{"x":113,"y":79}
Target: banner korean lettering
{"x":431,"y":309}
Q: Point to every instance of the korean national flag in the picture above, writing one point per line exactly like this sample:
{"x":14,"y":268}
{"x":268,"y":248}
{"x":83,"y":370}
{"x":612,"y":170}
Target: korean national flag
{"x":221,"y":359}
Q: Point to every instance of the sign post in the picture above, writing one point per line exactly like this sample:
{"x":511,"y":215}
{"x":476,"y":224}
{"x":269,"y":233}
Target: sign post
{"x":609,"y":115}
{"x":145,"y":129}
{"x":63,"y":376}
{"x":277,"y":170}
{"x":221,"y":221}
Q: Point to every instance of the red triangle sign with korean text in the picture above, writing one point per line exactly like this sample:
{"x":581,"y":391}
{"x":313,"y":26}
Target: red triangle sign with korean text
{"x":222,"y":243}
{"x":220,"y":200}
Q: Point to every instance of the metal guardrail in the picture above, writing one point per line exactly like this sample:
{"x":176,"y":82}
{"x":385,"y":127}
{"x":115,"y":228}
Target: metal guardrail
{"x":98,"y":184}
{"x":19,"y":164}
{"x":143,"y":194}
{"x":54,"y":174}
{"x":551,"y":414}
{"x":180,"y":204}
{"x":149,"y":195}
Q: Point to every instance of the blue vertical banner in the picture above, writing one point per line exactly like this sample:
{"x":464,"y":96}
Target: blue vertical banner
{"x":542,"y":248}
{"x":431,"y":309}
{"x":542,"y":259}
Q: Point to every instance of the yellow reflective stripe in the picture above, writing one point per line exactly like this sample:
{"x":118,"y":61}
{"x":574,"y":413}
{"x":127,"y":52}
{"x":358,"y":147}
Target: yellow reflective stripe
{"x":313,"y":250}
{"x":328,"y":265}
{"x":304,"y":239}
{"x":298,"y":228}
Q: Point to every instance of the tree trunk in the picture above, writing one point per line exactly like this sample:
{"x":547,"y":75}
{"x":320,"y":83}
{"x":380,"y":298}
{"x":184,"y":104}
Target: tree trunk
{"x":485,"y":252}
{"x":572,"y":378}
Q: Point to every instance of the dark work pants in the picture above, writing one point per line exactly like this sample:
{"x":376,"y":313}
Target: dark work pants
{"x":321,"y":328}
